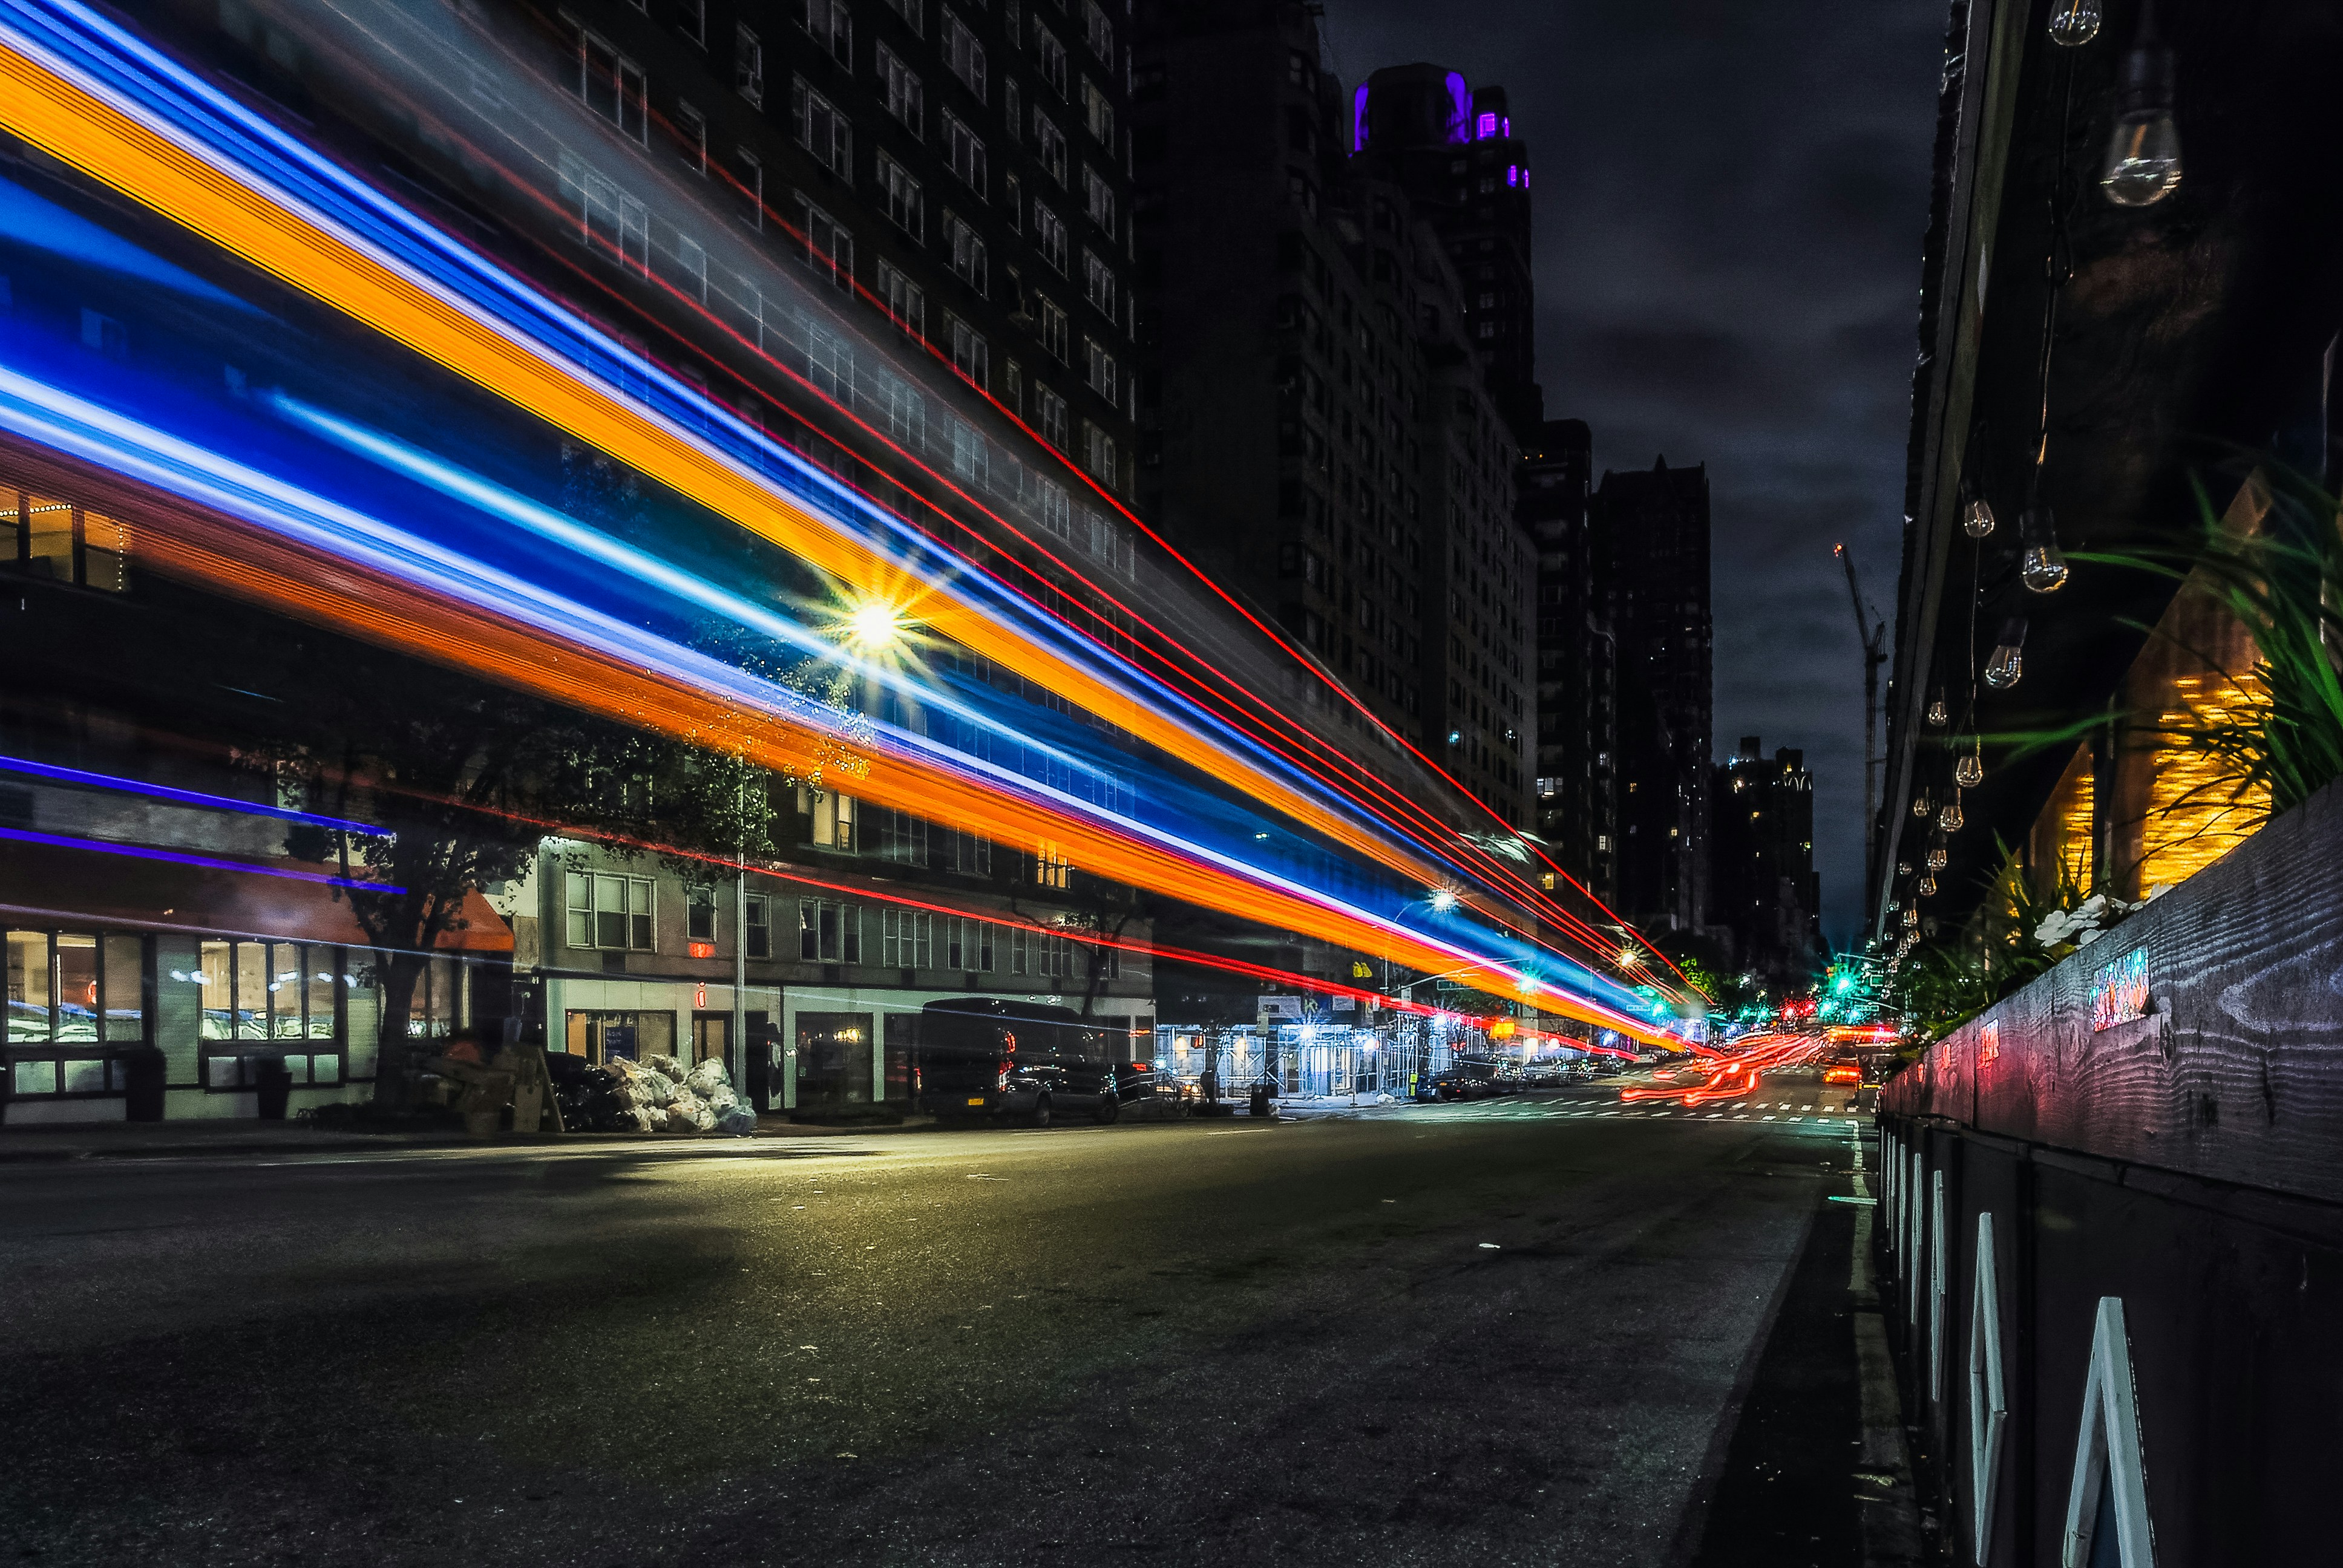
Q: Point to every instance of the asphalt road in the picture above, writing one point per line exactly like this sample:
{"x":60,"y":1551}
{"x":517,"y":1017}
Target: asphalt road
{"x":1514,"y":1332}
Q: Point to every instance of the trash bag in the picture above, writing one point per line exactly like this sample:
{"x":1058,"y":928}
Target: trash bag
{"x":663,"y":1088}
{"x":721,"y":1099}
{"x":736,"y":1120}
{"x":665,"y":1066}
{"x":707,"y":1077}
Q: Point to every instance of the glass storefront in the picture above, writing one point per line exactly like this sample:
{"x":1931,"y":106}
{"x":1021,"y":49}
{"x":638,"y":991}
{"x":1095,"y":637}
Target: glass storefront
{"x":76,"y":999}
{"x":286,"y":1000}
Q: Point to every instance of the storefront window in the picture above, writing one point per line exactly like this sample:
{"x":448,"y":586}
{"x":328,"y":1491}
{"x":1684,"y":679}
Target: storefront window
{"x":61,"y":987}
{"x":41,"y":537}
{"x":265,"y":999}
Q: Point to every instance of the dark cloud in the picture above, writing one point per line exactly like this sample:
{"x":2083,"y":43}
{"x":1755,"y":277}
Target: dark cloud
{"x":1731,"y":203}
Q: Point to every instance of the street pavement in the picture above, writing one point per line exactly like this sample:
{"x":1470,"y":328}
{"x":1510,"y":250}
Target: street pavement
{"x":1532,"y":1330}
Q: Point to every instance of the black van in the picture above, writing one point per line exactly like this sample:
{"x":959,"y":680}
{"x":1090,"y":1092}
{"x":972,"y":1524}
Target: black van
{"x":993,"y":1057}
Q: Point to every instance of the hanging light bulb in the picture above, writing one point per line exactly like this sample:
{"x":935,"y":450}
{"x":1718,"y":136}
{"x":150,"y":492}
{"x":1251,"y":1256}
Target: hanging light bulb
{"x":1969,"y":771}
{"x":1927,"y":887}
{"x":1922,"y":805}
{"x":1903,"y":868}
{"x":2007,"y":665}
{"x":1939,"y":856}
{"x":1977,"y":517}
{"x":1950,"y":817}
{"x":1911,"y":919}
{"x":2042,"y":569}
{"x":2143,"y":161}
{"x":2075,"y":23}
{"x":1938,"y":714}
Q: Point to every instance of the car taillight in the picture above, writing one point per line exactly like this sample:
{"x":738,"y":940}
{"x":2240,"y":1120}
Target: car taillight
{"x":1003,"y":1082}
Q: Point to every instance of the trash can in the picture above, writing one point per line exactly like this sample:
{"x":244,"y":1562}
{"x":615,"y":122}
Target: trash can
{"x":142,"y":1083}
{"x":275,"y":1085}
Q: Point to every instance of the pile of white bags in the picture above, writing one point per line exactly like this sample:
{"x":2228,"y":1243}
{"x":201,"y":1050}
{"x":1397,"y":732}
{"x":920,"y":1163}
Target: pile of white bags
{"x":660,"y":1094}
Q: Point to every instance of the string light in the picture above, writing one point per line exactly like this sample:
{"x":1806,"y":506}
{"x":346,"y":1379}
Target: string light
{"x":2075,"y":23}
{"x":1977,"y":517}
{"x":2042,"y":569}
{"x":1938,"y":714}
{"x":1969,"y":771}
{"x":2143,"y":160}
{"x":2006,"y":668}
{"x":1950,"y":817}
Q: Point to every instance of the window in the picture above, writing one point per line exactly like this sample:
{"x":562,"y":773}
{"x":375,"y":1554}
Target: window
{"x":972,"y":357}
{"x":1098,"y":198}
{"x":748,"y":183}
{"x":968,"y":262}
{"x":900,"y":91}
{"x":1052,"y":325}
{"x":1055,"y":422}
{"x":760,"y":927}
{"x":1098,"y":371}
{"x":821,"y":130}
{"x":1050,"y":237}
{"x":830,"y":249}
{"x":830,"y":932}
{"x":611,"y":84}
{"x":1050,"y":143}
{"x":41,"y":537}
{"x":258,"y":998}
{"x":971,"y":853}
{"x":609,"y":219}
{"x":914,"y":13}
{"x":833,"y":817}
{"x":964,"y":150}
{"x":748,"y":66}
{"x":692,"y":268}
{"x":69,"y":995}
{"x":829,"y":365}
{"x":1098,"y":453}
{"x":830,"y":26}
{"x":1098,"y":31}
{"x":1012,"y":111}
{"x":964,"y":55}
{"x":1012,"y":192}
{"x":691,"y":137}
{"x":906,"y":301}
{"x":905,"y":208}
{"x":1303,"y":190}
{"x":609,"y":911}
{"x":1098,"y":112}
{"x":1052,"y":56}
{"x":699,"y":921}
{"x":691,"y":17}
{"x":907,"y":939}
{"x":901,"y":836}
{"x":1098,"y":284}
{"x":968,"y":946}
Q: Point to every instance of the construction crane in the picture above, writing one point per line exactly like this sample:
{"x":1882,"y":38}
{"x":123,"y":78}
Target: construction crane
{"x":1873,"y":635}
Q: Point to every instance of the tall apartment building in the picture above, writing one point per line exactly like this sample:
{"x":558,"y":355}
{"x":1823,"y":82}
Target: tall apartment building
{"x":1322,"y":432}
{"x":1577,"y":660}
{"x":1765,"y":889}
{"x":963,"y":167}
{"x":1654,"y":529}
{"x":1453,"y":149}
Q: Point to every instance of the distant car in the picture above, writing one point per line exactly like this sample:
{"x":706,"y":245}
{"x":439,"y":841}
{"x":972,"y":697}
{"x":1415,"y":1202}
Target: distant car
{"x":1842,"y":1073}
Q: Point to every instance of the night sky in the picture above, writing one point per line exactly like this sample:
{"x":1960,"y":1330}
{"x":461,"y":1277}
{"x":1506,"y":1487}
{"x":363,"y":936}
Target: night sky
{"x":1729,"y":203}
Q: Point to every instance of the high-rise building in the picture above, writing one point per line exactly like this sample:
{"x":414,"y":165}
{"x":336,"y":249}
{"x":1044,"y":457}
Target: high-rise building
{"x":964,"y":168}
{"x":1323,"y":435}
{"x":1453,"y":149}
{"x":1761,"y":844}
{"x":1577,"y":684}
{"x":1653,"y":525}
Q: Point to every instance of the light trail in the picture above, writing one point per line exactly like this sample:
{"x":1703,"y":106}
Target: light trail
{"x":184,"y":857}
{"x":329,"y":564}
{"x":315,"y":251}
{"x":177,"y":796}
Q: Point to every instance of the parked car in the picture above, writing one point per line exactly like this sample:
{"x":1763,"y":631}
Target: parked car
{"x":996,"y":1059}
{"x":1463,"y":1083}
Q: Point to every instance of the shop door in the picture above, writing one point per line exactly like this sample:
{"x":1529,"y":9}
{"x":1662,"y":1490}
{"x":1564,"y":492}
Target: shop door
{"x":761,"y":1070}
{"x":833,"y":1064}
{"x":711,"y":1036}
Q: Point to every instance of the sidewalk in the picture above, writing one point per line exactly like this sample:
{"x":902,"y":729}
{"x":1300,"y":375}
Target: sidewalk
{"x":182,"y":1140}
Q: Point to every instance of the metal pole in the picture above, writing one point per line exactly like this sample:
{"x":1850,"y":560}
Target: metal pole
{"x":737,"y":1046}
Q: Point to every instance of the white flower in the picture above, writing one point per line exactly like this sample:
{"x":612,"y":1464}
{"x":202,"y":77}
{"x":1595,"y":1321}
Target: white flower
{"x":2056,"y":927}
{"x":2085,"y":937}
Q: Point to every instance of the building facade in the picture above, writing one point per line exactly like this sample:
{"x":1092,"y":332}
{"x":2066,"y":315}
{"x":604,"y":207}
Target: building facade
{"x":1654,"y":529}
{"x":1322,"y":435}
{"x":1766,"y":892}
{"x":1577,"y":673}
